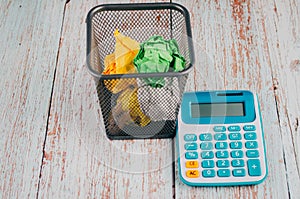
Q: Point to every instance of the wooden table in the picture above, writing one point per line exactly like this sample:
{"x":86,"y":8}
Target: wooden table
{"x":52,"y":144}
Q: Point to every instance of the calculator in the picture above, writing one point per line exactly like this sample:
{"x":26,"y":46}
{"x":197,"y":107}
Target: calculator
{"x":220,"y":139}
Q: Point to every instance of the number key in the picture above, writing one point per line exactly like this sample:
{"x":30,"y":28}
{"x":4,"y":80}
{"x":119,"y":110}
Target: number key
{"x":222,"y":154}
{"x":208,"y":164}
{"x":237,"y":154}
{"x":208,"y":173}
{"x":221,"y":145}
{"x":207,"y":154}
{"x":206,"y":146}
{"x":238,"y":163}
{"x":222,"y":163}
{"x":236,"y":145}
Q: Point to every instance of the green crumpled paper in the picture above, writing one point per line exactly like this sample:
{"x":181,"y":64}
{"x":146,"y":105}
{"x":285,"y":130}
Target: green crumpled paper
{"x":157,"y":55}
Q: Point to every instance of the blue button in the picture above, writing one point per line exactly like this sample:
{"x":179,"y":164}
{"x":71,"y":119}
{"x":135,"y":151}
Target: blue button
{"x":252,"y":154}
{"x":208,"y":173}
{"x":206,"y":137}
{"x":234,"y":128}
{"x":250,"y":136}
{"x":236,"y":145}
{"x":191,"y":155}
{"x":220,"y":136}
{"x":254,"y":167}
{"x":224,"y":173}
{"x":222,"y":154}
{"x":206,"y":145}
{"x":239,"y":172}
{"x":221,"y":145}
{"x":208,"y":164}
{"x":223,"y":163}
{"x":235,"y":136}
{"x":238,"y":163}
{"x":219,"y":128}
{"x":249,"y":128}
{"x":207,"y":155}
{"x":190,"y":146}
{"x":190,"y":137}
{"x":237,"y":154}
{"x":251,"y":145}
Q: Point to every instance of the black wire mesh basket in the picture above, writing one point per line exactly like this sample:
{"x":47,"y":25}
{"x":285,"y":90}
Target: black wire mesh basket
{"x":137,"y":110}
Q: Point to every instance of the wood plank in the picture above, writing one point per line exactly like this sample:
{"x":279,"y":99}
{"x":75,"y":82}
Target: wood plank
{"x":79,"y":161}
{"x":285,"y":57}
{"x":235,"y":35}
{"x":29,"y":42}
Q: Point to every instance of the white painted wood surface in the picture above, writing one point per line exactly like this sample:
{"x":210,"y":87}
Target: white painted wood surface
{"x":60,"y":152}
{"x":29,"y":42}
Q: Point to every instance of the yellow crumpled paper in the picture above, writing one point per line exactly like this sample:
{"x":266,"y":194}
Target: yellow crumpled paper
{"x":121,"y":62}
{"x":128,"y":108}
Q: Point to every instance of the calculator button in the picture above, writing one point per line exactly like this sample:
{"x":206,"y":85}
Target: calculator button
{"x":249,"y":128}
{"x":250,"y":136}
{"x":220,"y":136}
{"x":191,"y":155}
{"x":222,"y":154}
{"x":219,"y":128}
{"x":207,"y":155}
{"x":237,"y":154}
{"x":221,"y":145}
{"x":223,"y":163}
{"x":235,"y":136}
{"x":190,"y":146}
{"x":192,"y":173}
{"x":206,"y":137}
{"x":192,"y":164}
{"x":238,"y":163}
{"x":254,"y":167}
{"x":252,"y":154}
{"x":206,"y":145}
{"x":208,"y":164}
{"x":238,"y":172}
{"x":251,"y":145}
{"x":236,"y":145}
{"x":224,"y":173}
{"x":208,"y":173}
{"x":234,"y":128}
{"x":190,"y":137}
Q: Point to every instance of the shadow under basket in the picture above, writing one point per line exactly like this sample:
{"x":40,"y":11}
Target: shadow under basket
{"x":130,"y":106}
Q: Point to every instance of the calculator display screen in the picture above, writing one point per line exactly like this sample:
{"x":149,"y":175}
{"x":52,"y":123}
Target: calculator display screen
{"x":217,"y":109}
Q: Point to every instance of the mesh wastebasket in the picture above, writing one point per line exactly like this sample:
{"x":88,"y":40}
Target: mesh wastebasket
{"x":138,"y":110}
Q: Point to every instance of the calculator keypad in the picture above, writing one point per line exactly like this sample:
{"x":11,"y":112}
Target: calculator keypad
{"x":224,"y":152}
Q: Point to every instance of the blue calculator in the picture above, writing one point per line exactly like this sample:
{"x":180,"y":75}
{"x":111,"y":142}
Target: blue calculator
{"x":220,"y":139}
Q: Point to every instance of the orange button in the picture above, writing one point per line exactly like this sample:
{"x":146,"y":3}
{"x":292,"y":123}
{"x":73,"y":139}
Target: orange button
{"x":192,"y":173}
{"x":192,"y":164}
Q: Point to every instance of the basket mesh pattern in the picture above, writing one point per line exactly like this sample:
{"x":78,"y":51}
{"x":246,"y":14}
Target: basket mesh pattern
{"x":159,"y":105}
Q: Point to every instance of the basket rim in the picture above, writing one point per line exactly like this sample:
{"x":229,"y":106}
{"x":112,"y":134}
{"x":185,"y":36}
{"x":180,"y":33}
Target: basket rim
{"x":139,"y":6}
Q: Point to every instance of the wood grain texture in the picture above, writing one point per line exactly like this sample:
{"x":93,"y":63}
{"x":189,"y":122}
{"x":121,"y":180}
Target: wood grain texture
{"x":29,"y":42}
{"x":238,"y":38}
{"x":53,"y":143}
{"x":79,"y":161}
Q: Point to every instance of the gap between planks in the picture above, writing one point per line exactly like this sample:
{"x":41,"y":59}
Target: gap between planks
{"x":51,"y":97}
